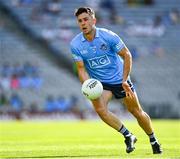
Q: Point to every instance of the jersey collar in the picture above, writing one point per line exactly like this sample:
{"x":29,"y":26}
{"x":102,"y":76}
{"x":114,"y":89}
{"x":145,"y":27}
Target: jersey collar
{"x":96,"y":36}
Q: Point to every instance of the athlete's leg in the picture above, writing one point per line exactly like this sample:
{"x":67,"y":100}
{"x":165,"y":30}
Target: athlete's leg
{"x":144,"y":121}
{"x":101,"y":107}
{"x":142,"y":117}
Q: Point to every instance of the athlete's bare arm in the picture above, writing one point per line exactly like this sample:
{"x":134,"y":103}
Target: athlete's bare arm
{"x":83,"y":75}
{"x":126,"y":56}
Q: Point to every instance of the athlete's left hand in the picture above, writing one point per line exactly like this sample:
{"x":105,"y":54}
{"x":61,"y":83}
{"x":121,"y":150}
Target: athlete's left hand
{"x":127,"y":89}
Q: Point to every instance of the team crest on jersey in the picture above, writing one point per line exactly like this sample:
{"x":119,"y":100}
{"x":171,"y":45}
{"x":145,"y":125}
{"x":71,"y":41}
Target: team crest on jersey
{"x":103,"y":47}
{"x":99,"y":62}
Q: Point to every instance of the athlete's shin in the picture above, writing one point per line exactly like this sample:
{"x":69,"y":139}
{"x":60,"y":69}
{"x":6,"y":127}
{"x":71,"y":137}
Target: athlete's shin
{"x":145,"y":122}
{"x":110,"y":119}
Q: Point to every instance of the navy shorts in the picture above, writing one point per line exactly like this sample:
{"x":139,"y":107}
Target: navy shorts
{"x":117,"y":89}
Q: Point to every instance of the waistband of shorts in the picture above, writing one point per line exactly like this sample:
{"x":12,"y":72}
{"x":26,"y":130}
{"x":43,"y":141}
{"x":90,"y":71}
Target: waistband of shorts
{"x":116,"y":85}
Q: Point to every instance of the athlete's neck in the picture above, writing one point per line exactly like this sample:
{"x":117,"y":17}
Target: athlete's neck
{"x":90,"y":36}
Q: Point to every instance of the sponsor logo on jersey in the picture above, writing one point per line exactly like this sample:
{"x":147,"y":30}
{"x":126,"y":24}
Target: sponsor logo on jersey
{"x":99,"y":62}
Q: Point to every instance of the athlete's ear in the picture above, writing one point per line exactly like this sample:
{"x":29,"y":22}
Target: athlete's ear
{"x":94,"y":20}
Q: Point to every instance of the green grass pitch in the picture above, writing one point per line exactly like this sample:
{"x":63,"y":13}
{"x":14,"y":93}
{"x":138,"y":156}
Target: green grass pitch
{"x":83,"y":139}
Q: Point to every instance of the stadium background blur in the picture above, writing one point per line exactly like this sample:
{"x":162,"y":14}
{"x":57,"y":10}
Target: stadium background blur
{"x":38,"y":79}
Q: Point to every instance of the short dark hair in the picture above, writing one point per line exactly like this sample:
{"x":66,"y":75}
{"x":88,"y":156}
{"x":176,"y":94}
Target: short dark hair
{"x":87,"y":10}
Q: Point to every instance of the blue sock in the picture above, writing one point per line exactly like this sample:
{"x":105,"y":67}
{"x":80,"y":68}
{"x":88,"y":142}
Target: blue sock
{"x":125,"y":132}
{"x":152,"y":138}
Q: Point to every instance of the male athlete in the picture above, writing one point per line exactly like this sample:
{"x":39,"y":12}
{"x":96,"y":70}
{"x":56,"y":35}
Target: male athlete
{"x":101,"y":54}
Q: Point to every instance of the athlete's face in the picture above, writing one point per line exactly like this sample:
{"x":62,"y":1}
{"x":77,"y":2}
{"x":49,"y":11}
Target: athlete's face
{"x":86,"y":23}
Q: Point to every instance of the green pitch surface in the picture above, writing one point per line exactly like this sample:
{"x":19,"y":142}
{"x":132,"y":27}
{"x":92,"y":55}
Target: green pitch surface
{"x":84,"y":139}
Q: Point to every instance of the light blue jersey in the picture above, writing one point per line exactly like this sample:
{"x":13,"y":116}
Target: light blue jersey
{"x":100,"y":55}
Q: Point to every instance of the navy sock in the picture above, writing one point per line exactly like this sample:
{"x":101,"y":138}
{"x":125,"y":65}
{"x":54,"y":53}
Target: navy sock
{"x":152,"y":138}
{"x":125,"y":132}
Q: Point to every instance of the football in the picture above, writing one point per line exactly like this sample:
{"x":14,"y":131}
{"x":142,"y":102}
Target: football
{"x":92,"y":89}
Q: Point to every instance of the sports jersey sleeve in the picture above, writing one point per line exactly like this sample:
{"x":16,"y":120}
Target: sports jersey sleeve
{"x":116,"y":43}
{"x":75,"y":54}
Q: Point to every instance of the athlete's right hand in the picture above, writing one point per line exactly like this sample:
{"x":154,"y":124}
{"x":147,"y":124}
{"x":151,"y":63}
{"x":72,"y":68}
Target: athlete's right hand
{"x":127,"y":89}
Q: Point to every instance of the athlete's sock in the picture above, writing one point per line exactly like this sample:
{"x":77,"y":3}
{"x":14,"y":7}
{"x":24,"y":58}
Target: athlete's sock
{"x":152,"y":138}
{"x":125,"y":132}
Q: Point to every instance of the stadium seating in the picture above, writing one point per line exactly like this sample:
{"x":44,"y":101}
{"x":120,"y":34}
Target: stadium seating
{"x":56,"y":81}
{"x":156,"y":70}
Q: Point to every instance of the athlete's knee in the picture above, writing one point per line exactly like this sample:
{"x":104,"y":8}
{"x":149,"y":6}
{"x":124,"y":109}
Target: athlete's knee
{"x":137,"y":113}
{"x":102,"y":112}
